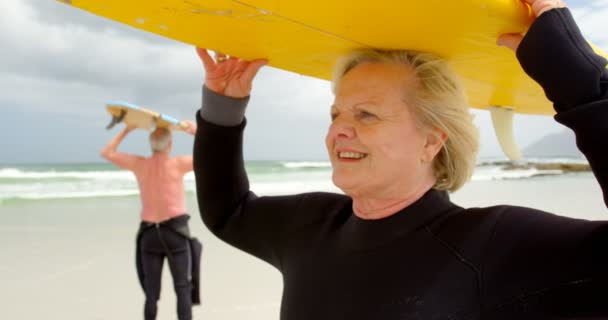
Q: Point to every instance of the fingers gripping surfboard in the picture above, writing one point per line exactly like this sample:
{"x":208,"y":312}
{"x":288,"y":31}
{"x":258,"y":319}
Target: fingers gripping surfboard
{"x":135,"y":116}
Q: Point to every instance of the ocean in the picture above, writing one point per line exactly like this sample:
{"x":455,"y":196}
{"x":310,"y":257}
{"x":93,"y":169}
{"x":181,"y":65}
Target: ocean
{"x":35,"y":182}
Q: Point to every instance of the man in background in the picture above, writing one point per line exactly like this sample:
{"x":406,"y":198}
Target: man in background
{"x":164,"y":228}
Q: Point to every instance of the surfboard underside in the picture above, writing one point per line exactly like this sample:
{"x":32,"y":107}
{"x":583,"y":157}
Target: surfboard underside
{"x":307,"y":37}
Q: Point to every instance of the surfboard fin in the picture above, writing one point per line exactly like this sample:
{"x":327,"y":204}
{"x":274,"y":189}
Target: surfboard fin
{"x":502,"y":118}
{"x":116,"y":119}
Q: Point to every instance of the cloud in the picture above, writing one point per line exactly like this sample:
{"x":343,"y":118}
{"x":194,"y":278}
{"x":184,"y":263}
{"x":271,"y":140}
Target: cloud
{"x":52,"y":53}
{"x":591,"y":18}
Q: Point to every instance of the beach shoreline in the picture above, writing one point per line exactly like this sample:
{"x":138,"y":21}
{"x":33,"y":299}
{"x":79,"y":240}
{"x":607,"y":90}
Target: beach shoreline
{"x":74,"y":258}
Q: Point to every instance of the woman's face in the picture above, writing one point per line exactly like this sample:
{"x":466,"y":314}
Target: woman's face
{"x":375,"y":146}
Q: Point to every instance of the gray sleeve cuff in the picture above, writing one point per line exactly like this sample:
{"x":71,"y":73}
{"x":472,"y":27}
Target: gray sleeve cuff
{"x":222,"y":110}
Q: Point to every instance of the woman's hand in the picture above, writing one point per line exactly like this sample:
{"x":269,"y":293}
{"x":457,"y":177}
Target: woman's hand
{"x":512,"y":40}
{"x":229,"y":76}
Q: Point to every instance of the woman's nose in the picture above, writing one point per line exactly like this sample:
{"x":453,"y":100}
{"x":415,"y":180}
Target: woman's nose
{"x":341,"y":128}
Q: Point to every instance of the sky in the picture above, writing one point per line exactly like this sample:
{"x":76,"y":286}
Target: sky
{"x":60,"y":65}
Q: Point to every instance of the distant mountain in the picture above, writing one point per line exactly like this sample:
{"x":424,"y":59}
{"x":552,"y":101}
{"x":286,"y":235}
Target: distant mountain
{"x":561,"y":144}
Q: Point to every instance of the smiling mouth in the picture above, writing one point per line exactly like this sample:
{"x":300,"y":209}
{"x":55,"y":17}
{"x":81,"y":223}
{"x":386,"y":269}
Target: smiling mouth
{"x":351,"y":155}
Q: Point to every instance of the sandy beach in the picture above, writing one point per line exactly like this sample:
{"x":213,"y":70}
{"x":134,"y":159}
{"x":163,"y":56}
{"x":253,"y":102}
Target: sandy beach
{"x":73,"y":259}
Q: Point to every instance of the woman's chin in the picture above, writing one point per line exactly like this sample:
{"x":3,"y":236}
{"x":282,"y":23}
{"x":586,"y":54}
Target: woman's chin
{"x":347,"y":185}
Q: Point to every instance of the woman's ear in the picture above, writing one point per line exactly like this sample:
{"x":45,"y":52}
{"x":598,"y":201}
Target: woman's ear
{"x":435,"y":140}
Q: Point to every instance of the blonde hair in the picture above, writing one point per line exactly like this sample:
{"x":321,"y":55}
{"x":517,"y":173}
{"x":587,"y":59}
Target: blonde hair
{"x":160,"y":139}
{"x":438,"y":102}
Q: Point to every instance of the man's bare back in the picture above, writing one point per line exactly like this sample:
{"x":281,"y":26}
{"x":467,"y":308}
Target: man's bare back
{"x":161,"y":186}
{"x":160,"y":177}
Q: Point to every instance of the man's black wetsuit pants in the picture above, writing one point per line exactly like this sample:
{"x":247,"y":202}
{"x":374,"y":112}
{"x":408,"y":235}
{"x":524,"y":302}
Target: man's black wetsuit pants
{"x":154,"y":244}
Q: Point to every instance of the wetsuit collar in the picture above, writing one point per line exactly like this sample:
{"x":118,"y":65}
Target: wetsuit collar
{"x":369,"y":233}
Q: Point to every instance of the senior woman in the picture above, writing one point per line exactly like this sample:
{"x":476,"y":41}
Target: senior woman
{"x":394,"y":246}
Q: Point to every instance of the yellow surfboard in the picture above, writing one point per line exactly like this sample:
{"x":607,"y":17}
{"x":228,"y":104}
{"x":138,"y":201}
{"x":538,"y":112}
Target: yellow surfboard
{"x":307,"y":37}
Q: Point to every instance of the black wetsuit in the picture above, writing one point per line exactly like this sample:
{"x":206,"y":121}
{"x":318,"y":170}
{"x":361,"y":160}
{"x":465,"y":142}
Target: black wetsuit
{"x":168,"y":239}
{"x":433,"y":259}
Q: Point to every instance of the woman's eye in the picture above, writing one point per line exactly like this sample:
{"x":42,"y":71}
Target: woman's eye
{"x":333,"y":116}
{"x":365,"y":115}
